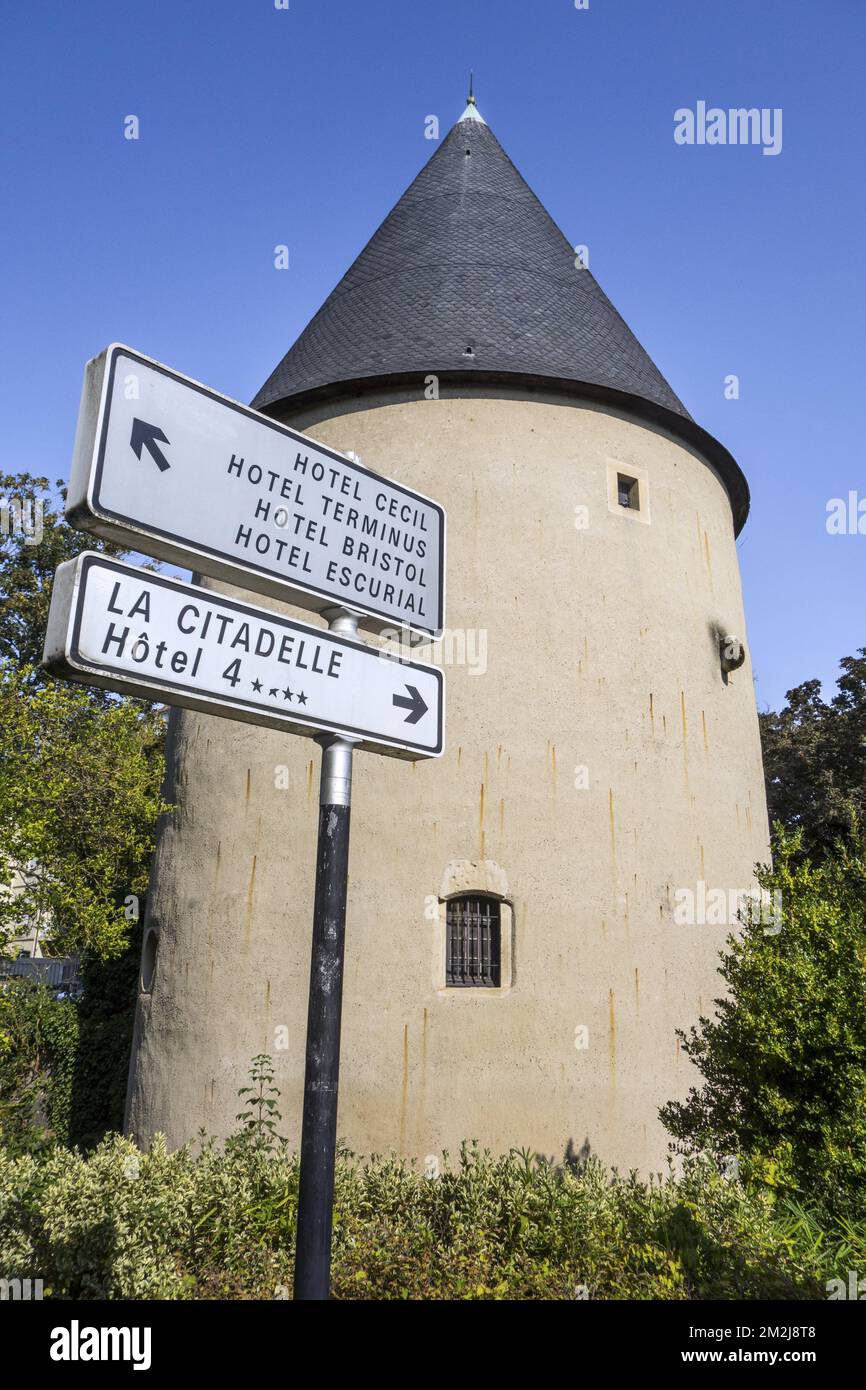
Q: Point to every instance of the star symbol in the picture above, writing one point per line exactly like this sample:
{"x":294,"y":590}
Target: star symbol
{"x":287,"y":694}
{"x":257,"y":685}
{"x":302,"y":699}
{"x":273,"y":692}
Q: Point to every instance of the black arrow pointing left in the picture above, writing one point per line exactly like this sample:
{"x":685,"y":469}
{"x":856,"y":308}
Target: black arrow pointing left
{"x":147,"y":436}
{"x":415,"y":704}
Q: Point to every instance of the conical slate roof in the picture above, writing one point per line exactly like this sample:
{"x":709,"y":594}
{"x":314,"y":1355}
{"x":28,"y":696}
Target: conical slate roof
{"x":470,"y":277}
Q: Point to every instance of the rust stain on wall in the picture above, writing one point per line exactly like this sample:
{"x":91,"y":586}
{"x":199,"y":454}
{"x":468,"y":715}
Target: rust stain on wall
{"x":612,"y":819}
{"x":611,"y":1030}
{"x":404,"y":1089}
{"x":685,"y":738}
{"x":423,"y":1064}
{"x":248,"y":916}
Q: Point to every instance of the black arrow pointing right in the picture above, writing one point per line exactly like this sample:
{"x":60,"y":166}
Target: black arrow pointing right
{"x":415,"y":704}
{"x":147,"y":435}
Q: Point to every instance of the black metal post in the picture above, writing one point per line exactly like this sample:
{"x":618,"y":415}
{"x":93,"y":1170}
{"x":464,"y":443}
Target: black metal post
{"x":322,"y":1074}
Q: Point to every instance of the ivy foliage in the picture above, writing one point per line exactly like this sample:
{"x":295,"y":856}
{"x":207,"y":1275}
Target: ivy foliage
{"x":38,"y":1046}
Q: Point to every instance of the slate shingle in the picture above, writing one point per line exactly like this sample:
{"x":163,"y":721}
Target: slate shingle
{"x":469,"y":274}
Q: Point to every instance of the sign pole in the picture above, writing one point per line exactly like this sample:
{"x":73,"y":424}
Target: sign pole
{"x":321,"y":1077}
{"x":178,"y":472}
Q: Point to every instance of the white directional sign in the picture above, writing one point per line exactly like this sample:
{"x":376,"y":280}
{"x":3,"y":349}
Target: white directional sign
{"x":171,"y":468}
{"x":120,"y":627}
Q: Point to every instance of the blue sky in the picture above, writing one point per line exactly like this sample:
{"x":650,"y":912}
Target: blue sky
{"x":261,"y":126}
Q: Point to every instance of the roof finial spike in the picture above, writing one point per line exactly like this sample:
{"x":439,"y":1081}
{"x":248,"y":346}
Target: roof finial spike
{"x":471,"y":99}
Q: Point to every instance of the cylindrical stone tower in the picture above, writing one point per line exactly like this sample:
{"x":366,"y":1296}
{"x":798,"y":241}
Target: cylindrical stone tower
{"x":516,"y":961}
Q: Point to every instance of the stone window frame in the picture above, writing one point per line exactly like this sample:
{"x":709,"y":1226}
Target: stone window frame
{"x":462,"y":879}
{"x":506,"y":949}
{"x":483,"y":879}
{"x":615,"y":467}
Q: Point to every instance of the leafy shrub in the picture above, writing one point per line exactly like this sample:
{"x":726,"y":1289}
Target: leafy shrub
{"x":64,"y":1065}
{"x":38,"y":1043}
{"x":214,"y":1224}
{"x":784,"y":1058}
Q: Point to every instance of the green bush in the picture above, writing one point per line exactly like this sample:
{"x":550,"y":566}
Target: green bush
{"x":106,"y":1015}
{"x":64,"y":1065}
{"x":215,"y":1224}
{"x":38,"y":1045}
{"x":784,"y":1058}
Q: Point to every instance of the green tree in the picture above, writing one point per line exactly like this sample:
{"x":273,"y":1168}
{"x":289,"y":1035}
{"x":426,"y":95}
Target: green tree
{"x":784,"y":1058}
{"x":815,"y":758}
{"x":29,"y":555}
{"x":80,"y":777}
{"x":79,"y":796}
{"x":80,"y":769}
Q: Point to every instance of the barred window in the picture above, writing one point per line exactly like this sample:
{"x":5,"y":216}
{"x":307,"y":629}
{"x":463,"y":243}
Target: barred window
{"x":473,"y":938}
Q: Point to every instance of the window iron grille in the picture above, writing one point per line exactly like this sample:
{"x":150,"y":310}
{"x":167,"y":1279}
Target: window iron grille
{"x":473,"y":936}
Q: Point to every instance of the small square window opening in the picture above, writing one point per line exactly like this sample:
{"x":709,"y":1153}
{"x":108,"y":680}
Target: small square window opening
{"x":628,"y":492}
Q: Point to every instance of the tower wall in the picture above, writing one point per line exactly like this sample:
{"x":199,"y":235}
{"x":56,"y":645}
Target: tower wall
{"x":601,"y":653}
